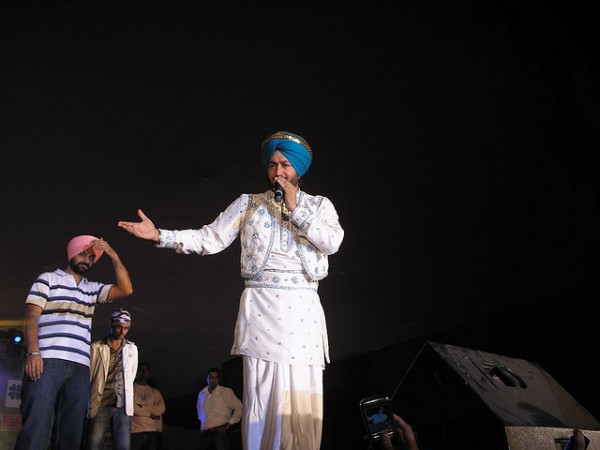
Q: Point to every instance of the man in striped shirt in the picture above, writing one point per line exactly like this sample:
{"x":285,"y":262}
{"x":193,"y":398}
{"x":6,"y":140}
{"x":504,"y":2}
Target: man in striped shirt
{"x":58,"y":324}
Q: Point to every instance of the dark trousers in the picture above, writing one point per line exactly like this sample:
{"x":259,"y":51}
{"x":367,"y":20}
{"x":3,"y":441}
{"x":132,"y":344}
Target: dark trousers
{"x":146,"y":440}
{"x":216,"y":439}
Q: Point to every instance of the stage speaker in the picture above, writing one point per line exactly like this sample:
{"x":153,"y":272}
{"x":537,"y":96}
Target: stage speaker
{"x":459,"y":398}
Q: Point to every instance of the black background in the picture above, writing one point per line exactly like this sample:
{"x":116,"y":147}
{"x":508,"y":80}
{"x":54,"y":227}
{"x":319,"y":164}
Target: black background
{"x":457,"y":140}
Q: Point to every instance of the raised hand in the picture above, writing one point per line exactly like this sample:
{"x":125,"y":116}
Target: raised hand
{"x":144,"y":229}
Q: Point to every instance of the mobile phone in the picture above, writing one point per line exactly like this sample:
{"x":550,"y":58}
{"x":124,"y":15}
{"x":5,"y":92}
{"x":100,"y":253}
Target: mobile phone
{"x":378,"y":417}
{"x":571,"y":443}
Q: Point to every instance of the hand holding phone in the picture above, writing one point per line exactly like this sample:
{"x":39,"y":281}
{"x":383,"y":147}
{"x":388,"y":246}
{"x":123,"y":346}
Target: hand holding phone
{"x":378,"y":417}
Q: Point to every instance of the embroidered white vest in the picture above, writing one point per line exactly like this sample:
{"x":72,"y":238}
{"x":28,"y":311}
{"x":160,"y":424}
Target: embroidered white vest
{"x":258,"y":231}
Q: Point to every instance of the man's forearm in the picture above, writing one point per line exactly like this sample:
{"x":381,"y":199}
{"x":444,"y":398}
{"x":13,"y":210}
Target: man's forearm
{"x":124,"y":286}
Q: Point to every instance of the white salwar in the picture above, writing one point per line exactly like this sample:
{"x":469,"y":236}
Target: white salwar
{"x":282,"y":335}
{"x":283,"y":406}
{"x":280,"y":330}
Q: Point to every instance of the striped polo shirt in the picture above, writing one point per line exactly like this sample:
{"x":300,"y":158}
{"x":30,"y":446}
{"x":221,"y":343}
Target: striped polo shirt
{"x":65,"y":325}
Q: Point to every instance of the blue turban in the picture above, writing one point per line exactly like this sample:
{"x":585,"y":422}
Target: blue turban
{"x":292,"y":146}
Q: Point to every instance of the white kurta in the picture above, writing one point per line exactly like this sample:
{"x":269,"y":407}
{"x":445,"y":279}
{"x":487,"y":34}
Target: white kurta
{"x":283,"y":256}
{"x":284,"y":324}
{"x":280,"y":328}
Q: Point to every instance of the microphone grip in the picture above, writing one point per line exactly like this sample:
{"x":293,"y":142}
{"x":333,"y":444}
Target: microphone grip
{"x":278,"y":194}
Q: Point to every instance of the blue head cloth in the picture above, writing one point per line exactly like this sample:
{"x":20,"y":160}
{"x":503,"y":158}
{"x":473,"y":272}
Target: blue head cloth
{"x":292,"y":146}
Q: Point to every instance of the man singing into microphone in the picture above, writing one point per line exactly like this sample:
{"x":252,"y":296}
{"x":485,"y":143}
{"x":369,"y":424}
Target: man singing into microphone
{"x":280,"y":331}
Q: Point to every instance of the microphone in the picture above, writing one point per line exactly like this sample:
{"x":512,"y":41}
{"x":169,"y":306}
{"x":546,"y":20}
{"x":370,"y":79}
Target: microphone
{"x":278,"y":193}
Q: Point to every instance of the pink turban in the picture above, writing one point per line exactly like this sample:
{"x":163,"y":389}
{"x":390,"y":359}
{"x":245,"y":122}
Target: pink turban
{"x":81,"y":243}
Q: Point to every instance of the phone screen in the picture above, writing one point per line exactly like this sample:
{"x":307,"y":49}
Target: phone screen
{"x":378,"y":416}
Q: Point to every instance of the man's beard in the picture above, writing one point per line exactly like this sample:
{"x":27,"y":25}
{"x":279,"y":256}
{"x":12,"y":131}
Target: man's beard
{"x":79,"y":269}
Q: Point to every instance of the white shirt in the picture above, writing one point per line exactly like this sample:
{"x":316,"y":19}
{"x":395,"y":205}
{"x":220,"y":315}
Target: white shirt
{"x":218,"y":408}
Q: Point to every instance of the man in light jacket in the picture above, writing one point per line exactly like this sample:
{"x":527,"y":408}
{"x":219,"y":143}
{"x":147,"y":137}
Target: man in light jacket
{"x":113,"y":368}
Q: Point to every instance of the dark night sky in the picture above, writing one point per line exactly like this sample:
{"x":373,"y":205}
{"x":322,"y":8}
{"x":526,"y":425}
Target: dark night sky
{"x":457,"y":140}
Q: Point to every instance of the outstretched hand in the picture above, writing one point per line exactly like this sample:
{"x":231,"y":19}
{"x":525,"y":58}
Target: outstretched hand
{"x":144,"y":229}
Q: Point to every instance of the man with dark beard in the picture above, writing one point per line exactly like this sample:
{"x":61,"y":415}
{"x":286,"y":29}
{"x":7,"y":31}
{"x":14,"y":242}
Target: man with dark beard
{"x":58,"y":324}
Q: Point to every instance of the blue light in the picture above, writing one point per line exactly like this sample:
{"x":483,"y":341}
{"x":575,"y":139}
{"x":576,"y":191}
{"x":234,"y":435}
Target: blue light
{"x":17,"y":339}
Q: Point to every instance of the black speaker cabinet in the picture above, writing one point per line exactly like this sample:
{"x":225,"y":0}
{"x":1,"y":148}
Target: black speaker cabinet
{"x":458,"y":398}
